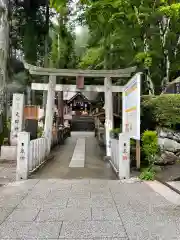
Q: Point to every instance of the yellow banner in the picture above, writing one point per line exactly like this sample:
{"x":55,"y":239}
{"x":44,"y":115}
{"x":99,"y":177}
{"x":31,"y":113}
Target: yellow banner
{"x":130,"y":90}
{"x":131,"y":109}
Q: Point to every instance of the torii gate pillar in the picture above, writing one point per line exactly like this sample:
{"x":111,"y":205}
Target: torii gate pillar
{"x":50,"y":110}
{"x":108,"y":113}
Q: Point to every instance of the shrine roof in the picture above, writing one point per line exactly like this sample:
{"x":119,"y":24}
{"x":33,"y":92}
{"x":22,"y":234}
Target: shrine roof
{"x":76,"y":95}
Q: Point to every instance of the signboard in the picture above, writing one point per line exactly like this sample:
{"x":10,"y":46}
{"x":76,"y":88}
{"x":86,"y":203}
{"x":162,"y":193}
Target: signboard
{"x":31,"y":112}
{"x":80,"y":82}
{"x":124,"y":159}
{"x":17,"y":116}
{"x":131,"y":107}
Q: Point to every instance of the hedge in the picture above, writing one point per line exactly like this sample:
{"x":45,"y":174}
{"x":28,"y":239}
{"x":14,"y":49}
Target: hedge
{"x":162,"y":110}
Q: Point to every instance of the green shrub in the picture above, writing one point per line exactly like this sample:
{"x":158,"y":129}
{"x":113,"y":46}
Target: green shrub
{"x":147,"y":175}
{"x":115,"y":132}
{"x":40,"y":132}
{"x":150,"y":146}
{"x":163,"y":110}
{"x":147,"y":115}
{"x":132,"y":142}
{"x":167,"y":110}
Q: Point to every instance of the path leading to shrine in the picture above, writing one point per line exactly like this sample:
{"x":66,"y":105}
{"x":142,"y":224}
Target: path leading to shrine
{"x":57,"y":204}
{"x":86,"y":209}
{"x":81,"y":149}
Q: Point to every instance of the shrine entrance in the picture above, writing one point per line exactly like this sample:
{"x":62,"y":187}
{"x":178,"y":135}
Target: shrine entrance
{"x":81,"y":146}
{"x":106,"y":77}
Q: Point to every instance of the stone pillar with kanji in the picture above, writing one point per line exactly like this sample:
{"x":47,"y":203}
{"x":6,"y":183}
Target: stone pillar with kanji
{"x":17,"y":117}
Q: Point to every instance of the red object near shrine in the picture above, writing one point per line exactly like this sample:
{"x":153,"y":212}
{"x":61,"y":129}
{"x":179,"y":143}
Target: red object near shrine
{"x":125,"y":157}
{"x":80,"y":82}
{"x":31,"y":112}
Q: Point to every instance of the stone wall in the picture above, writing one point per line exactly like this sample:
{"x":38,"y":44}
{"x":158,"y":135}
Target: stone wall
{"x":169,"y":143}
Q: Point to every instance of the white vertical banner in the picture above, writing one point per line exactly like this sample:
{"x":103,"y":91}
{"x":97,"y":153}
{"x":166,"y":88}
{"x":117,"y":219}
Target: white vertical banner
{"x":17,"y":117}
{"x":131,"y":107}
{"x":23,"y":148}
{"x":124,"y":158}
{"x":108,"y":113}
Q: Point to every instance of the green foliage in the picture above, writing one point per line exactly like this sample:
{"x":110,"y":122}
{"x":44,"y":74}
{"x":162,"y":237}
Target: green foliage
{"x":62,"y":53}
{"x":150,"y":146}
{"x":40,"y":132}
{"x":144,"y":58}
{"x":92,"y":58}
{"x":28,"y":31}
{"x":163,"y":110}
{"x":147,"y":175}
{"x":60,"y":6}
{"x":134,"y":32}
{"x":132,"y":142}
{"x":115,"y":132}
{"x":62,"y":50}
{"x":167,"y":110}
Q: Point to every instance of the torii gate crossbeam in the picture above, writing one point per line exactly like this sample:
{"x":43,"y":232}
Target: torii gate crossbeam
{"x":73,"y":88}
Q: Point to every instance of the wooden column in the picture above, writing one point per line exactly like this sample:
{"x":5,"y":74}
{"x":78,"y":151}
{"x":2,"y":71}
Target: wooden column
{"x":50,"y":110}
{"x":108,"y":113}
{"x":60,"y":108}
{"x":138,"y":154}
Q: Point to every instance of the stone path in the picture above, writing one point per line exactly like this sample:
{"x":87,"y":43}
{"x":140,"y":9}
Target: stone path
{"x":94,"y":165}
{"x":78,"y":158}
{"x":86,"y":209}
{"x":7,"y":172}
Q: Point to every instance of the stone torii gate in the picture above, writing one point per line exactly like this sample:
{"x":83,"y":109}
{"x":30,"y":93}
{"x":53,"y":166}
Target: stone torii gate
{"x":107,"y":88}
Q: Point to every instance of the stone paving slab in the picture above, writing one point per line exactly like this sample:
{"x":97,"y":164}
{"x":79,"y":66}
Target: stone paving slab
{"x":25,"y":215}
{"x":7,"y":172}
{"x":92,"y":229}
{"x":120,"y":210}
{"x":64,"y":214}
{"x":4,"y":213}
{"x":78,"y":158}
{"x":105,"y":214}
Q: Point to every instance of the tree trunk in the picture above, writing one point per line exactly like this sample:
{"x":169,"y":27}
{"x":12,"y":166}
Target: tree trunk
{"x":149,"y":83}
{"x":46,"y":53}
{"x":164,"y":27}
{"x":4,"y":47}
